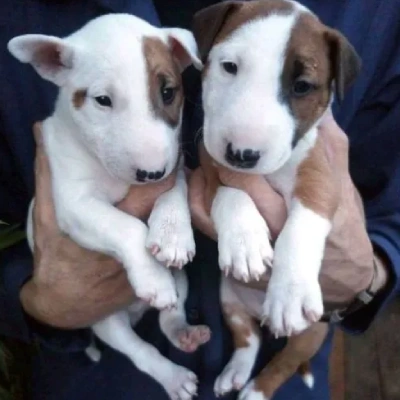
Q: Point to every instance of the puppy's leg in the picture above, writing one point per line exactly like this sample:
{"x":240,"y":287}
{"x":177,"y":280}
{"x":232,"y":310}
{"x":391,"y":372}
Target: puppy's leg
{"x":170,"y":237}
{"x":243,"y":236}
{"x":173,"y":321}
{"x":179,"y":382}
{"x":97,"y":225}
{"x":135,"y":312}
{"x":246,"y":338}
{"x":298,"y":351}
{"x":294,"y":299}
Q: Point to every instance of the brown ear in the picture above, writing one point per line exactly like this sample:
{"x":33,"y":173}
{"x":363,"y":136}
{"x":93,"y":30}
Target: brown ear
{"x":345,"y":61}
{"x":208,"y":22}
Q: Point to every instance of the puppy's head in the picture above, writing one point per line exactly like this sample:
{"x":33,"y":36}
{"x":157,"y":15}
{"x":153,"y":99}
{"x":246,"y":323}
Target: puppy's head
{"x":270,"y":69}
{"x":120,"y":89}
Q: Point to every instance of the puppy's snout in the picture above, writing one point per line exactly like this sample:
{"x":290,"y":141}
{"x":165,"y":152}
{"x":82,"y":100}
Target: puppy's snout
{"x":247,"y":158}
{"x":146,"y":176}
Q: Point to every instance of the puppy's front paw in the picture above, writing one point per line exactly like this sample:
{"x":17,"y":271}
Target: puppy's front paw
{"x":291,"y":304}
{"x":244,"y":248}
{"x":154,"y":284}
{"x":180,"y":383}
{"x":170,"y":238}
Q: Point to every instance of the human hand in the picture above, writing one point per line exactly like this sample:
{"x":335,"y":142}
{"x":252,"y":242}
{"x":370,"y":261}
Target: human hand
{"x":72,"y":287}
{"x":348,"y":264}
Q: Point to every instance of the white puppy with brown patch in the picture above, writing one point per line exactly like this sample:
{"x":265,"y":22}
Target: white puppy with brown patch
{"x":117,"y":123}
{"x":270,"y":70}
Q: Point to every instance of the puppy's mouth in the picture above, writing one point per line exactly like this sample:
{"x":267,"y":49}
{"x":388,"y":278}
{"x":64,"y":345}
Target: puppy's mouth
{"x":254,"y":163}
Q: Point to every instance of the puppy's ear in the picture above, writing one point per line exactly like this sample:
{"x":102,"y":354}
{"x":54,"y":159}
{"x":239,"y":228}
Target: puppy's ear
{"x":183,"y":47}
{"x":51,"y":57}
{"x":346,"y":63}
{"x":208,"y":22}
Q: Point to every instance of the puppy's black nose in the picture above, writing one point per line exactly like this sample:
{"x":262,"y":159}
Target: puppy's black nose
{"x":247,"y":158}
{"x":144,"y":176}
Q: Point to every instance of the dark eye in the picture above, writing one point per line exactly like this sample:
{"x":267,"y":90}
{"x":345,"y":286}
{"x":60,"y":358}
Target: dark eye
{"x":302,"y":88}
{"x":104,"y":101}
{"x":167,"y":94}
{"x":230,"y":67}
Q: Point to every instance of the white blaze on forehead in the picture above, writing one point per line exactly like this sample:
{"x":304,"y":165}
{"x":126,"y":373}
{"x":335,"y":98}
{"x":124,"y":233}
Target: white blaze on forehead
{"x":113,"y":45}
{"x":259,"y":49}
{"x":247,"y":109}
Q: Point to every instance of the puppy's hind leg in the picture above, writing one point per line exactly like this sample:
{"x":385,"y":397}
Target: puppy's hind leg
{"x":173,"y":321}
{"x":246,"y":339}
{"x":116,"y":331}
{"x":294,"y":356}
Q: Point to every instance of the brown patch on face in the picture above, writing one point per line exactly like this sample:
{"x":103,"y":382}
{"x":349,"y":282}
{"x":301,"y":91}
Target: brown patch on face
{"x":297,"y":352}
{"x":250,"y":11}
{"x":317,"y":55}
{"x":308,"y":60}
{"x":163,"y":73}
{"x":213,"y":24}
{"x":79,"y":98}
{"x":317,"y":186}
{"x":241,"y":324}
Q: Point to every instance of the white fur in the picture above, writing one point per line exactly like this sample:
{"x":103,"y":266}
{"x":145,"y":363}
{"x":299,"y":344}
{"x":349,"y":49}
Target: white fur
{"x":246,"y":110}
{"x":294,"y":298}
{"x":116,"y":331}
{"x":249,"y":393}
{"x":309,"y":380}
{"x":170,"y":231}
{"x":250,"y":113}
{"x":243,"y":236}
{"x":179,"y":382}
{"x":94,"y":152}
{"x":237,"y":372}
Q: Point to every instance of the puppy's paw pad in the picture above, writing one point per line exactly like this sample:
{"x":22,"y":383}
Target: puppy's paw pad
{"x":191,"y":338}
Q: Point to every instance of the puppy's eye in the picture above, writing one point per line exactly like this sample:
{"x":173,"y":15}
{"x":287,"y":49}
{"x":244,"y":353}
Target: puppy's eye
{"x":302,"y":88}
{"x":104,"y":101}
{"x":167,"y":94}
{"x":230,"y":67}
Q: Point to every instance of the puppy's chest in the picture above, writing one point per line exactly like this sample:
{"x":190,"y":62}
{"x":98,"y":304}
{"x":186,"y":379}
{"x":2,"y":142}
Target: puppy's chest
{"x":285,"y":179}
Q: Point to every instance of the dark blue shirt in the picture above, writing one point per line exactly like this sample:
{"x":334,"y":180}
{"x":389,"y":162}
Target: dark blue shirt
{"x":370,"y":115}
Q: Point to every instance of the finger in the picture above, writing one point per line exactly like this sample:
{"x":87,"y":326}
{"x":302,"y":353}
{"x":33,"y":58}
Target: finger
{"x":197,"y":202}
{"x":335,"y":142}
{"x":140,"y":199}
{"x":44,"y":207}
{"x":327,"y":118}
{"x":37,"y":133}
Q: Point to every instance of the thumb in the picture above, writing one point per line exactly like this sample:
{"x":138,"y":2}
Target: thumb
{"x":43,"y":212}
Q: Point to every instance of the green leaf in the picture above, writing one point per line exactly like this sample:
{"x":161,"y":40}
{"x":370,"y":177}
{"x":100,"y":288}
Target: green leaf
{"x":3,"y":361}
{"x":4,"y":395}
{"x":10,"y":236}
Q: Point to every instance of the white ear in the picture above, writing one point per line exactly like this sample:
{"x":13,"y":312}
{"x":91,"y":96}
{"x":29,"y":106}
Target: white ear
{"x":50,"y":56}
{"x":183,"y":47}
